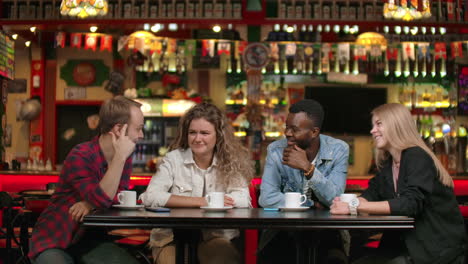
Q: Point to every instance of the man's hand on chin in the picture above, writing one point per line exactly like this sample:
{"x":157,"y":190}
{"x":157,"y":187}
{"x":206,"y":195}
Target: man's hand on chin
{"x":295,"y":157}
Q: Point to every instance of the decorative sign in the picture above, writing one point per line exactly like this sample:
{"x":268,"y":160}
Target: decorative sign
{"x":74,"y":93}
{"x":17,"y":86}
{"x":340,"y":77}
{"x":256,"y":55}
{"x":7,"y":56}
{"x":84,"y":72}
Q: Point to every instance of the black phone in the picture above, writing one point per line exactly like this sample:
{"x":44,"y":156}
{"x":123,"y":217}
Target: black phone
{"x":158,"y":209}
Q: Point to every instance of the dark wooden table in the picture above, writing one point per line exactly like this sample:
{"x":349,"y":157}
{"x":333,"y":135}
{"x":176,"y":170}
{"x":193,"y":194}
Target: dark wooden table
{"x":254,"y":218}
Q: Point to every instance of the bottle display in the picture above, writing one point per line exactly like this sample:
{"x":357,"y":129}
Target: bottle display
{"x":159,"y":132}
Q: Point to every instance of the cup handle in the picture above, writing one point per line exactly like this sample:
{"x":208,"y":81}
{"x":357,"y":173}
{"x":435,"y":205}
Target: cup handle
{"x":119,"y":197}
{"x":303,"y":199}
{"x":207,"y":197}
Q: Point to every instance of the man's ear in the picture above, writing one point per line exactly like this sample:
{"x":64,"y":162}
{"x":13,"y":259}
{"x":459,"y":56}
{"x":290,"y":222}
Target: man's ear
{"x":315,"y":132}
{"x":116,"y":129}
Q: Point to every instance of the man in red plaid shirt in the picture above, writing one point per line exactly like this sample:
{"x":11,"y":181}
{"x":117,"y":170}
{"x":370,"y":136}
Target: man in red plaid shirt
{"x":93,"y":173}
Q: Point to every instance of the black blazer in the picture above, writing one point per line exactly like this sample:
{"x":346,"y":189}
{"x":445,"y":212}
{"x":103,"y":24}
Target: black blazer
{"x":439,"y":233}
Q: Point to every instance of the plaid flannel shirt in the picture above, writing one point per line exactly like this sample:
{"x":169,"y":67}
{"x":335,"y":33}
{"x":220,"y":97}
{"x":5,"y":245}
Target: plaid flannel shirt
{"x":79,"y":179}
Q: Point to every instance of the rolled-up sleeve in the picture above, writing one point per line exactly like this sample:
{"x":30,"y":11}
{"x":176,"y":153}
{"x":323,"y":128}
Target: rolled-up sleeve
{"x":270,"y":189}
{"x":240,"y":195}
{"x":83,"y":175}
{"x":158,"y":191}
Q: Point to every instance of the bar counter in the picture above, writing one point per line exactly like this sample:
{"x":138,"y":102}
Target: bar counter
{"x":16,"y":181}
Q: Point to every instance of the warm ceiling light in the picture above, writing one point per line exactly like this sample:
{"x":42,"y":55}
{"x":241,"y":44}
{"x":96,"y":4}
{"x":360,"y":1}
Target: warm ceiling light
{"x":216,"y":28}
{"x":386,"y":29}
{"x":346,"y":29}
{"x":33,"y":29}
{"x":27,"y":43}
{"x":290,"y":29}
{"x":14,"y":36}
{"x":172,"y":27}
{"x":336,"y":28}
{"x":416,"y":10}
{"x":156,"y":27}
{"x":397,"y":29}
{"x":371,"y":38}
{"x":93,"y":29}
{"x":84,"y":8}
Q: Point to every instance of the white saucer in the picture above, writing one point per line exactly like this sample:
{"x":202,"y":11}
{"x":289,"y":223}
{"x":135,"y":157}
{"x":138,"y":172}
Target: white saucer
{"x":216,"y":209}
{"x":129,"y":207}
{"x":294,"y":209}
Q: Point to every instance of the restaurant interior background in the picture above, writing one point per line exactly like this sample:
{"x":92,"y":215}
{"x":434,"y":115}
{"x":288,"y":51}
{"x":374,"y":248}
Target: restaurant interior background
{"x":266,"y":55}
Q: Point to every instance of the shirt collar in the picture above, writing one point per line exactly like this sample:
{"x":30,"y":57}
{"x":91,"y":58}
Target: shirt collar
{"x":187,"y":156}
{"x":324,"y":153}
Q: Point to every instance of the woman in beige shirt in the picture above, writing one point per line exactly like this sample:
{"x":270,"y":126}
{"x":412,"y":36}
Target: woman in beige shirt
{"x":205,"y":157}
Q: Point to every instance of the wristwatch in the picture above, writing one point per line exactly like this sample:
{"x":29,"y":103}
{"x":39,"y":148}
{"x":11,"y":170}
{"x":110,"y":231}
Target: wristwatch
{"x":353,"y":205}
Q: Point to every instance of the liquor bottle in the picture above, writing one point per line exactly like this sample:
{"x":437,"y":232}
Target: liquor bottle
{"x":461,"y":149}
{"x":208,"y":8}
{"x":299,"y":12}
{"x":153,"y":10}
{"x":307,"y":9}
{"x":228,"y":9}
{"x":170,"y":9}
{"x":218,"y":9}
{"x":136,"y":10}
{"x":180,"y":8}
{"x":147,"y":129}
{"x":282,"y":9}
{"x":317,"y":10}
{"x":290,"y":10}
{"x":143,"y":153}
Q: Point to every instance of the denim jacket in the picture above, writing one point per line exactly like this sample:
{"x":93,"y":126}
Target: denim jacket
{"x":327,"y":182}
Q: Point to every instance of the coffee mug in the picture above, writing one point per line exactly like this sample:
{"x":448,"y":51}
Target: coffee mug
{"x":347,"y":197}
{"x":215,"y":199}
{"x":127,"y":198}
{"x":294,"y":199}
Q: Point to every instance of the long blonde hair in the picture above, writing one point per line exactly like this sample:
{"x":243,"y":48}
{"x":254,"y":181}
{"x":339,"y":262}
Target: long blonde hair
{"x":401,"y":133}
{"x":234,"y":160}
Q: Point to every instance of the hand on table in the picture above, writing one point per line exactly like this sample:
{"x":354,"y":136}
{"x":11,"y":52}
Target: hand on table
{"x":228,"y":201}
{"x":296,"y":158}
{"x":123,"y":145}
{"x":79,"y":210}
{"x":339,"y":207}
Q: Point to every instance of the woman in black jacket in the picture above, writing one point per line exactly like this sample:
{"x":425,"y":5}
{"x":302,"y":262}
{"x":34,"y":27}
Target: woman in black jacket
{"x":411,"y":181}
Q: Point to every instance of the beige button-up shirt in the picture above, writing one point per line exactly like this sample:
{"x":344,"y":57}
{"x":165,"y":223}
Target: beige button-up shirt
{"x":179,"y":174}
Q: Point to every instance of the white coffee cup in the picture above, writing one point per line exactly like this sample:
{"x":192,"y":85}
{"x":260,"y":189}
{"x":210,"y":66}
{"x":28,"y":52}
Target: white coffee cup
{"x":127,"y":198}
{"x":215,"y":199}
{"x":347,"y":197}
{"x":294,"y":199}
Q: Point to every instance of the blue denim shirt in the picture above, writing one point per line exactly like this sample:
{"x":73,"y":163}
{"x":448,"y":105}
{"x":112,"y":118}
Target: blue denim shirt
{"x":327,"y":182}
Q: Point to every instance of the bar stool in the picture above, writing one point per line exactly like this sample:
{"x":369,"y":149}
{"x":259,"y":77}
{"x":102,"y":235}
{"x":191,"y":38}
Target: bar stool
{"x":135,"y":240}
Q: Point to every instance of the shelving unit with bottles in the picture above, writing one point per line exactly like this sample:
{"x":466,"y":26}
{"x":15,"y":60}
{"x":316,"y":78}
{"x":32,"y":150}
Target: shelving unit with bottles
{"x":272,"y":98}
{"x":160,"y":128}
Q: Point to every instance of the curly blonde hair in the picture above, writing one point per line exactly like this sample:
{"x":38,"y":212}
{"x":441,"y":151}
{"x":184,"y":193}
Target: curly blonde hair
{"x":235,"y":166}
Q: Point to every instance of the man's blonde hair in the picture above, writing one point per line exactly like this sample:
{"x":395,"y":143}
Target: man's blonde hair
{"x":115,"y":111}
